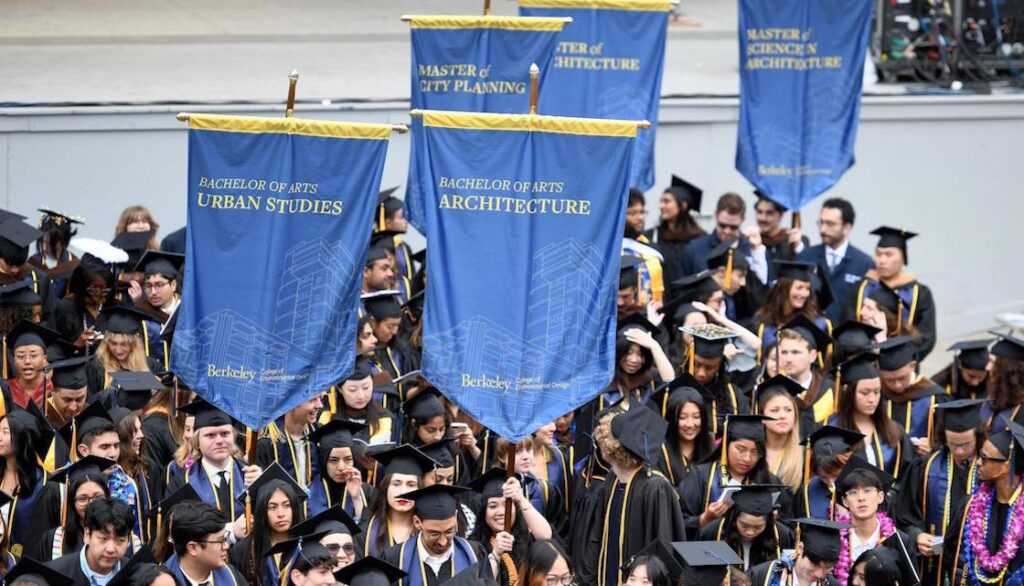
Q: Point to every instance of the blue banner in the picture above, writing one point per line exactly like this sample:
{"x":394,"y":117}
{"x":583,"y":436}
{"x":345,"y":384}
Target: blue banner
{"x":472,"y":64}
{"x":608,"y":64}
{"x":525,"y":216}
{"x":801,"y":71}
{"x":279,"y":216}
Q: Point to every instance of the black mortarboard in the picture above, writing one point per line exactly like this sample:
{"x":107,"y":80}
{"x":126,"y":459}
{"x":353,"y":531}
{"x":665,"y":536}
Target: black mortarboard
{"x":778,"y":381}
{"x":886,"y":298}
{"x":85,"y":465}
{"x":908,"y":573}
{"x":382,"y":304}
{"x":30,"y":567}
{"x":8,"y":214}
{"x":686,"y":192}
{"x":362,"y":368}
{"x":858,"y":368}
{"x":57,"y":218}
{"x":708,"y":340}
{"x":16,"y":233}
{"x":425,"y":406}
{"x":27,"y":333}
{"x":436,"y":502}
{"x":69,"y":373}
{"x":680,"y":389}
{"x":808,"y":330}
{"x":1008,"y":347}
{"x":641,"y":431}
{"x":706,"y":563}
{"x":307,"y":545}
{"x":384,"y":239}
{"x":664,"y":553}
{"x":121,"y":319}
{"x":972,"y":354}
{"x":440,"y":453}
{"x":852,"y":337}
{"x":635,"y":320}
{"x":20,"y":293}
{"x":748,"y":427}
{"x":796,"y":270}
{"x":387,"y":204}
{"x":830,"y":440}
{"x":756,"y":499}
{"x":857,"y":463}
{"x":134,"y":243}
{"x":821,"y":537}
{"x":375,"y":253}
{"x":370,"y":571}
{"x":489,"y":484}
{"x":206,"y":414}
{"x":135,"y":388}
{"x":627,"y":271}
{"x":332,"y":520}
{"x":471,"y":576}
{"x":415,"y":304}
{"x":336,"y":433}
{"x":1004,"y":441}
{"x":129,"y":573}
{"x":719,"y":256}
{"x":895,"y":353}
{"x":893,"y":238}
{"x":960,"y":415}
{"x":93,"y":417}
{"x":184,"y":494}
{"x":62,"y":350}
{"x":155,"y":262}
{"x":420,"y":256}
{"x":272,"y":478}
{"x":404,"y":459}
{"x":41,"y":433}
{"x":696,"y":287}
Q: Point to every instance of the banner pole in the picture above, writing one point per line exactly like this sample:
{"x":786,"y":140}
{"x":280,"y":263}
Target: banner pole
{"x":487,"y":7}
{"x":796,"y":224}
{"x":293,"y":80}
{"x":534,"y":83}
{"x":510,"y":471}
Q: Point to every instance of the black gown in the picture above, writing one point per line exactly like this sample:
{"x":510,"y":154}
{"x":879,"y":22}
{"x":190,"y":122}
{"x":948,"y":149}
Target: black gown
{"x":785,"y":538}
{"x":770,"y":573}
{"x":954,"y":548}
{"x":697,"y":491}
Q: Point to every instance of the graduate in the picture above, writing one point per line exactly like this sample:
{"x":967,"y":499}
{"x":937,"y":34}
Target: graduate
{"x":542,"y":495}
{"x":707,"y":364}
{"x":386,"y":310}
{"x":27,"y":343}
{"x":1006,"y":395}
{"x":391,"y":218}
{"x":676,"y":226}
{"x":750,"y":527}
{"x":277,"y":503}
{"x":339,"y":534}
{"x":106,"y":541}
{"x":916,"y":304}
{"x":636,"y":505}
{"x":934,"y":486}
{"x":200,"y":546}
{"x":285,"y":442}
{"x":125,"y":346}
{"x":982,"y":545}
{"x":911,"y":398}
{"x":436,"y":539}
{"x":829,"y":448}
{"x":709,"y":563}
{"x":85,"y":483}
{"x":655,"y":565}
{"x":793,"y":294}
{"x":640,"y":362}
{"x":24,"y":439}
{"x":739,"y":460}
{"x":777,"y":399}
{"x":338,"y":481}
{"x":967,"y":376}
{"x":15,"y":238}
{"x":391,"y":520}
{"x":810,"y":564}
{"x":852,"y":338}
{"x":161,"y":288}
{"x":352,"y":400}
{"x":800,"y":346}
{"x":742,"y":295}
{"x":551,"y":463}
{"x":688,"y":437}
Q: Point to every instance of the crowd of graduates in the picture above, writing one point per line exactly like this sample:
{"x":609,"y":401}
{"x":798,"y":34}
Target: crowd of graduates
{"x":767,"y":423}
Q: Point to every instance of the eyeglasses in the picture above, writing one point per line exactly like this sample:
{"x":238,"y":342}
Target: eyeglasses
{"x":563,"y":580}
{"x":334,"y":548}
{"x":223,"y":542}
{"x":156,"y":286}
{"x":985,"y":458}
{"x":432,"y":535}
{"x":828,"y":223}
{"x":861,"y":492}
{"x":85,"y":499}
{"x":98,"y":290}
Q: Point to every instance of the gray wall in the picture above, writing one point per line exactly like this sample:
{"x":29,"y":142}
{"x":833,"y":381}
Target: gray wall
{"x":940,"y":166}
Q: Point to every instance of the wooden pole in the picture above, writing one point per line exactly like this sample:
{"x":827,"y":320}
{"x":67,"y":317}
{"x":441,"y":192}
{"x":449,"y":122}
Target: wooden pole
{"x":534,"y":86}
{"x":293,"y":80}
{"x":510,"y":471}
{"x":796,"y":224}
{"x":487,"y":7}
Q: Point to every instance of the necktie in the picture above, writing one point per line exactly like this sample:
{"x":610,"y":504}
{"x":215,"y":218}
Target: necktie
{"x":224,"y":492}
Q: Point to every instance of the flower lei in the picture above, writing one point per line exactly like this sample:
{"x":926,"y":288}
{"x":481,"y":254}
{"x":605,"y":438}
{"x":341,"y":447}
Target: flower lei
{"x":842,"y":570}
{"x":980,"y":562}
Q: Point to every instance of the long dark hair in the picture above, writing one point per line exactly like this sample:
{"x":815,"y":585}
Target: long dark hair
{"x":381,"y":509}
{"x":131,"y":461}
{"x":657,"y":573}
{"x":261,"y":526}
{"x":888,"y":430}
{"x":759,"y":474}
{"x":622,"y":346}
{"x":482,"y":533}
{"x":540,"y":557}
{"x":773,"y":311}
{"x":84,"y":273}
{"x":409,"y":429}
{"x":373,"y":412}
{"x":703,"y":444}
{"x":73,"y":527}
{"x":27,"y":466}
{"x":1006,"y":383}
{"x":764,"y":547}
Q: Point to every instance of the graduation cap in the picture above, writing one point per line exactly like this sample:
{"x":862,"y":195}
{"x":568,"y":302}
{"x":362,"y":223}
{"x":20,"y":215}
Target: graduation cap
{"x":697,"y":286}
{"x":683,"y":388}
{"x":725,"y":253}
{"x":471,"y":576}
{"x":122,"y":319}
{"x":362,"y":368}
{"x":61,"y":350}
{"x":855,"y":463}
{"x":756,"y":499}
{"x":641,"y":432}
{"x":41,"y":433}
{"x":796,"y":270}
{"x":628,"y":276}
{"x":375,"y":253}
{"x":436,"y":502}
{"x":185,"y":494}
{"x":440,"y":453}
{"x":888,"y":299}
{"x":860,"y":367}
{"x":809,"y":331}
{"x":336,"y":433}
{"x":332,"y":520}
{"x":744,"y":427}
{"x":15,"y":236}
{"x":129,"y":573}
{"x":821,"y":537}
{"x":830,"y":440}
{"x":852,"y":337}
{"x":384,"y":239}
{"x":706,"y":563}
{"x":155,"y":262}
{"x":19,"y":294}
{"x":8,"y":214}
{"x":87,"y":464}
{"x":1009,"y":442}
{"x":908,"y":573}
{"x":489,"y":484}
{"x":133,"y":242}
{"x":382,"y":304}
{"x":663,"y":552}
{"x":30,"y":567}
{"x":27,"y":333}
{"x":779,"y":381}
{"x":893,"y":238}
{"x":633,"y":321}
{"x":134,"y":389}
{"x":206,"y":414}
{"x":307,"y":546}
{"x":709,"y":340}
{"x":55,"y":218}
{"x":69,"y":373}
{"x":404,"y":459}
{"x":972,"y":354}
{"x":895,"y":353}
{"x":960,"y":415}
{"x":425,"y":406}
{"x":1008,"y":347}
{"x":387,"y":204}
{"x":420,"y":256}
{"x":686,"y":192}
{"x":415,"y":304}
{"x":271,"y":479}
{"x":370,"y":571}
{"x":92,"y":418}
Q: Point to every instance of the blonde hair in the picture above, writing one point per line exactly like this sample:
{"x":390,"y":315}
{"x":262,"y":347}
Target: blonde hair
{"x":136,"y":359}
{"x":611,"y":449}
{"x":792,"y":472}
{"x":134,"y":214}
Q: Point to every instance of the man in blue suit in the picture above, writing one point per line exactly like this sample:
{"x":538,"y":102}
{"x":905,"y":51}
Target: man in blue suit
{"x":841,"y":262}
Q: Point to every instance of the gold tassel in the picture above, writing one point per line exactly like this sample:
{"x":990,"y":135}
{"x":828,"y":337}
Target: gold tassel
{"x":839,"y":386}
{"x":728,"y":270}
{"x":689,"y":359}
{"x":725,"y":442}
{"x":380,"y":218}
{"x":6,"y":374}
